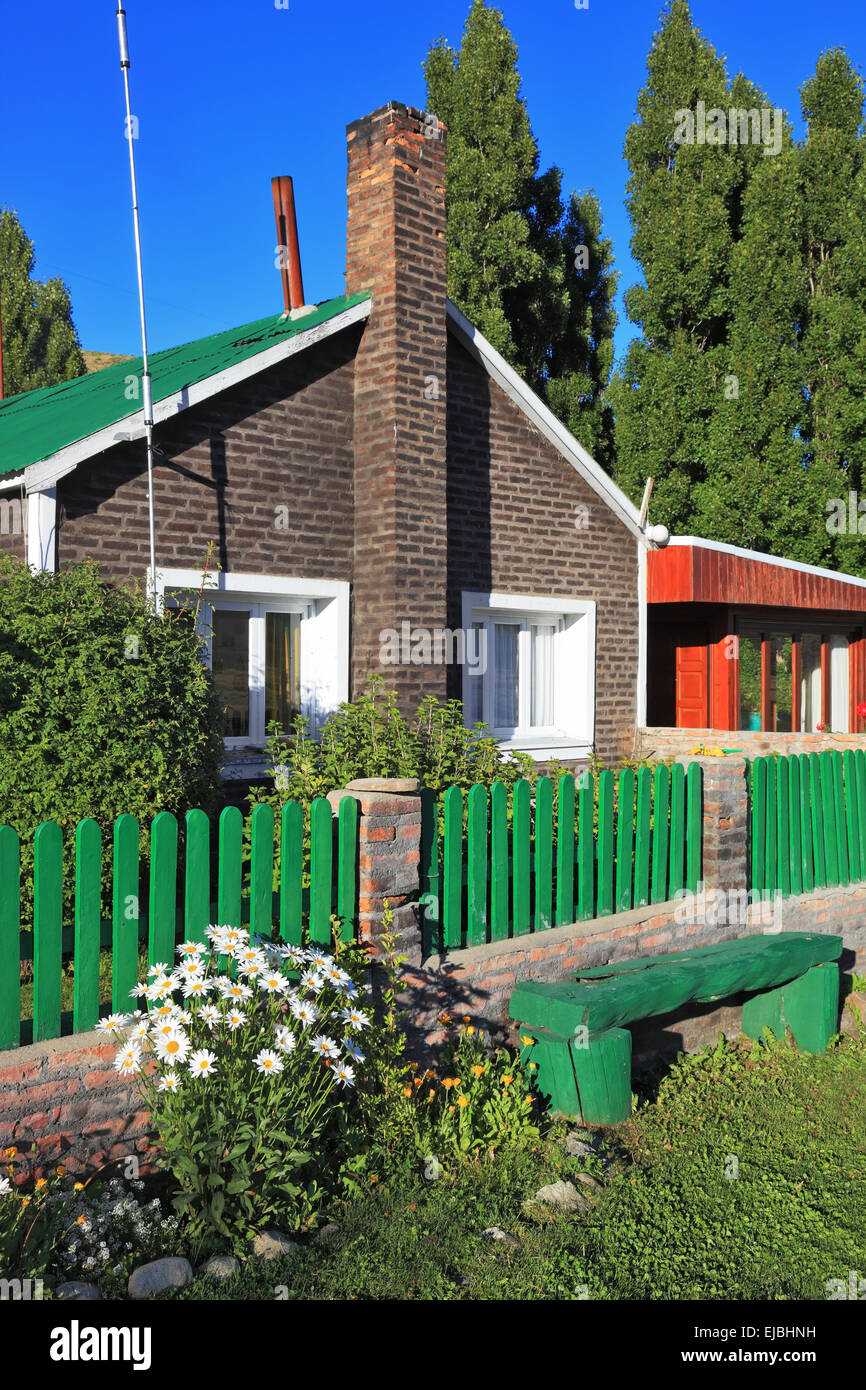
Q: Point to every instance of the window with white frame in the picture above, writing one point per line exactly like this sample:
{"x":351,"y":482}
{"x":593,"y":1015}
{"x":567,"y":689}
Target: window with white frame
{"x":533,"y":682}
{"x":274,"y":651}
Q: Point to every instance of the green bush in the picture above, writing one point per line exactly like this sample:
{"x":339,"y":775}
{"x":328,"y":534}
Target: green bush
{"x":104,"y":708}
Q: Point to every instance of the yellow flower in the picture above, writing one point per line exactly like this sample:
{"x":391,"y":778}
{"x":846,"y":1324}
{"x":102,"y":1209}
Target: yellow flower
{"x":462,"y":1100}
{"x":444,"y":1018}
{"x":407,"y":1090}
{"x":80,"y":1220}
{"x":431,"y":1096}
{"x":60,"y":1170}
{"x":507,"y":1080}
{"x":533,"y":1066}
{"x":10,"y":1153}
{"x":466,"y":1018}
{"x":79,"y":1187}
{"x":41,"y":1182}
{"x":478,"y":1070}
{"x":373,"y":1178}
{"x":470,"y":1029}
{"x":451,"y":1110}
{"x":25,"y":1201}
{"x":527,"y":1042}
{"x":448,"y":1082}
{"x":418,"y":1081}
{"x":529,"y":1100}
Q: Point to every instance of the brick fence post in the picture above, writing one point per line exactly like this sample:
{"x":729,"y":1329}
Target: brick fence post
{"x":389,"y":858}
{"x":725,"y":821}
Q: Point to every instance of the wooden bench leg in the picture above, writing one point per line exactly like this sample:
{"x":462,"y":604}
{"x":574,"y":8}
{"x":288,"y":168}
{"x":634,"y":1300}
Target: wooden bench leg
{"x":555,"y":1075}
{"x":808,"y":1006}
{"x":603,"y":1074}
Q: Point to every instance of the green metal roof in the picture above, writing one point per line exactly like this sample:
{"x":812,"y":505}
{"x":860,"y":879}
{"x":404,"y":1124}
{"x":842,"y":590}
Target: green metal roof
{"x":36,"y":424}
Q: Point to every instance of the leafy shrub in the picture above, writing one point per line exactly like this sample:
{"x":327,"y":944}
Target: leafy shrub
{"x":103,"y":1227}
{"x":104,"y":708}
{"x":27,"y":1232}
{"x":248,"y":1072}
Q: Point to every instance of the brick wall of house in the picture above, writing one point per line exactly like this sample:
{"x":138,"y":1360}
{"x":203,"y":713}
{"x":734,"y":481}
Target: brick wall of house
{"x":282,"y":439}
{"x":511,"y":527}
{"x":13,"y":523}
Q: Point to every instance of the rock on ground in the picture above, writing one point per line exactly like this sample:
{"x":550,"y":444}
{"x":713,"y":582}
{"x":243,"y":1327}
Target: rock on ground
{"x":174,"y":1272}
{"x":77,"y":1291}
{"x":269,"y":1245}
{"x":563,"y":1195}
{"x":496,"y":1233}
{"x":221,"y":1266}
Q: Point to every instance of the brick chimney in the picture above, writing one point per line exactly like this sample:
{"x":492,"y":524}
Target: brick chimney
{"x":396,"y":249}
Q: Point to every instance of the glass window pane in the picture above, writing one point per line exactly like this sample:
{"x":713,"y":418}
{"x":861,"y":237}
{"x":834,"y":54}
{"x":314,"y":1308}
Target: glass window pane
{"x":781,"y":687}
{"x":750,"y":681}
{"x":838,"y":682}
{"x":505,"y":677}
{"x":282,"y":667}
{"x":474,"y":709}
{"x":541,"y":716}
{"x":810,"y":682}
{"x":231,"y":665}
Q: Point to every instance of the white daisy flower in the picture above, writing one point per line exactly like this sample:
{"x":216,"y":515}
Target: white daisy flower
{"x":140,"y":1029}
{"x":312,"y":980}
{"x":355,"y":1018}
{"x":320,"y":962}
{"x":273,"y":983}
{"x":172,"y":1047}
{"x":161,"y":969}
{"x":183,"y":1018}
{"x":170,"y":1082}
{"x":295,"y":955}
{"x":235,"y":1018}
{"x":165,"y":1010}
{"x":202,"y":1063}
{"x":251,"y":955}
{"x":128,"y":1060}
{"x":326,"y":1047}
{"x":160,"y":987}
{"x":191,"y":948}
{"x":234,"y":989}
{"x":336,"y":977}
{"x":5,"y":1187}
{"x":268,"y":1061}
{"x":344,"y":1074}
{"x":196,"y":987}
{"x":210,"y":1015}
{"x":353,"y":1050}
{"x":138,"y":991}
{"x":191,"y":966}
{"x":285,"y":1038}
{"x":305,"y":1013}
{"x":347,"y":988}
{"x":114,"y":1023}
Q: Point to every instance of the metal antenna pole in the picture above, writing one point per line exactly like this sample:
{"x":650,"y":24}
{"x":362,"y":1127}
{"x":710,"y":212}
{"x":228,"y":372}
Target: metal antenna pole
{"x":146,"y":392}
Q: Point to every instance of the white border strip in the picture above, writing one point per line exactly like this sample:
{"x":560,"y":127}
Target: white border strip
{"x":546,"y":422}
{"x":48,"y":471}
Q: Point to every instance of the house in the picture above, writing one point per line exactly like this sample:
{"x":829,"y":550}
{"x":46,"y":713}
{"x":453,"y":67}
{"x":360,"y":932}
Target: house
{"x":383,"y":493}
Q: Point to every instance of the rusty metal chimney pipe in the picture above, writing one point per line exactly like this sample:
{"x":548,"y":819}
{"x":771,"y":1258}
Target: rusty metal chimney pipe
{"x":287,"y":241}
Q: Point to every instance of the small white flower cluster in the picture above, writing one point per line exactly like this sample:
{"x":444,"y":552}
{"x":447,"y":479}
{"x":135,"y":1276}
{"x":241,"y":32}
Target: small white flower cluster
{"x":106,"y":1230}
{"x":232,"y":1001}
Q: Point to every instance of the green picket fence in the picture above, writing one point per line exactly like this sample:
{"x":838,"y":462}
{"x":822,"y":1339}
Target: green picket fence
{"x":217,"y":884}
{"x":807,"y":821}
{"x":499,"y":868}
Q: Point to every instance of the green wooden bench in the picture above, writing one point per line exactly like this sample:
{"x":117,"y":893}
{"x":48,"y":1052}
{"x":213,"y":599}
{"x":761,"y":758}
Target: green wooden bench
{"x":583,"y":1052}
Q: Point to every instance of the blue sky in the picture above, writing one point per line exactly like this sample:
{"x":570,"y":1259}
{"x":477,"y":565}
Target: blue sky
{"x":230,"y":92}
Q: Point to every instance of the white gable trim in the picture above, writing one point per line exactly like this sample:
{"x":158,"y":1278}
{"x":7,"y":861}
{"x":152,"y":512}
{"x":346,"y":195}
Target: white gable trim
{"x":47,"y":472}
{"x":546,"y":422}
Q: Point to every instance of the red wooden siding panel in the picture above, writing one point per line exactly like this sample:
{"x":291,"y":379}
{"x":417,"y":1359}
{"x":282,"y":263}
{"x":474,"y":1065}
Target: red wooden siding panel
{"x":683,"y":574}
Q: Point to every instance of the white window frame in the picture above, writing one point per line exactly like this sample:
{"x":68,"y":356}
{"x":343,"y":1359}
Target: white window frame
{"x":572,"y":733}
{"x":323,"y":607}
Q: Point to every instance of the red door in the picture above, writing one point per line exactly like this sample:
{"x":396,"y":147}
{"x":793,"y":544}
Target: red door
{"x":693,"y":685}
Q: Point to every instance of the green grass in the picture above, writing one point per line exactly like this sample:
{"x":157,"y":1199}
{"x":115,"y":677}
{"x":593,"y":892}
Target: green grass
{"x":67,"y":983}
{"x":669,"y":1223}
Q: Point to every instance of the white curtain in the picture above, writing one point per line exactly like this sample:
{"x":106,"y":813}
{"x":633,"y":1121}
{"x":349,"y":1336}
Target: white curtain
{"x":541,"y":716}
{"x":839,"y":683}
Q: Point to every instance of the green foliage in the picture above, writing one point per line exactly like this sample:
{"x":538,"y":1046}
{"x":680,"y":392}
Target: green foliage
{"x":512,"y":240}
{"x":104,"y":708}
{"x":28,"y":1231}
{"x":40,"y":342}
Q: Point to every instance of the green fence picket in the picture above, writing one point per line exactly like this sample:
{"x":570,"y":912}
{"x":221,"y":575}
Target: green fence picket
{"x":292,"y":872}
{"x":759,"y":826}
{"x":860,"y":782}
{"x":10,"y":938}
{"x":499,"y":876}
{"x":794,"y":822}
{"x":565,"y":850}
{"x":543,"y":854}
{"x":476,"y":867}
{"x":162,"y":903}
{"x":807,"y":874}
{"x":605,"y":843}
{"x":839,"y":811}
{"x":661,"y":803}
{"x":678,"y":829}
{"x":262,"y":869}
{"x":520,"y":853}
{"x":230,"y":869}
{"x":585,"y":848}
{"x":88,"y":922}
{"x":431,"y":884}
{"x":125,"y":912}
{"x":452,"y":870}
{"x":625,"y":840}
{"x":783,"y":846}
{"x":852,"y":816}
{"x":816,"y":800}
{"x":47,"y":930}
{"x":347,"y":867}
{"x":196,"y":887}
{"x":694,"y":830}
{"x":828,"y":807}
{"x":771,"y":872}
{"x":321,"y":869}
{"x":642,"y":837}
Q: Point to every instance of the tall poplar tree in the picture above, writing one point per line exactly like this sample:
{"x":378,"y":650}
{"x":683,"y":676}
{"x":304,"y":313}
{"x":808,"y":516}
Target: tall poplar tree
{"x":533,"y":274}
{"x":40,"y":342}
